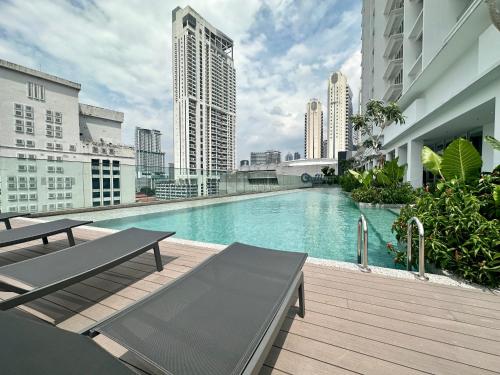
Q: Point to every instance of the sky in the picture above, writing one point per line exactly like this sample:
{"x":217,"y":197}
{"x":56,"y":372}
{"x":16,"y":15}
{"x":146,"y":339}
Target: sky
{"x":121,"y":53}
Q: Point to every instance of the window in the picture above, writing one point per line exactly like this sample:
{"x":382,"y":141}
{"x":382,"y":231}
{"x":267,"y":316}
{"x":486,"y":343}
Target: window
{"x":59,"y":146}
{"x":22,"y":183}
{"x":116,"y":193}
{"x":116,"y":163}
{"x":33,"y":208}
{"x":58,"y":117}
{"x":21,"y":168}
{"x":36,"y":91}
{"x":68,"y":182}
{"x":58,"y":158}
{"x":19,"y":126}
{"x":72,"y":147}
{"x":116,"y":183}
{"x":95,"y":204}
{"x":32,"y":183}
{"x":20,"y":142}
{"x":51,"y":169}
{"x":116,"y":172}
{"x":106,"y":194}
{"x":107,"y":203}
{"x":106,"y":183}
{"x":105,"y":171}
{"x":32,"y":156}
{"x":69,"y":205}
{"x":51,"y":196}
{"x":23,"y":197}
{"x":18,"y":110}
{"x":30,"y":143}
{"x":60,"y":205}
{"x":12,"y":197}
{"x":50,"y":146}
{"x":51,"y":183}
{"x":28,"y":112}
{"x":60,"y":195}
{"x":96,"y":194}
{"x":32,"y":168}
{"x":21,"y":156}
{"x":96,"y":183}
{"x":59,"y":170}
{"x":68,"y":195}
{"x":33,"y":196}
{"x":50,"y":158}
{"x":58,"y":134}
{"x":49,"y":117}
{"x":95,"y":162}
{"x":105,"y":163}
{"x":29,"y":127}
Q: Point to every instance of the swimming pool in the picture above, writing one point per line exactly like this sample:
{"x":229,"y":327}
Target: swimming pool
{"x":321,"y":222}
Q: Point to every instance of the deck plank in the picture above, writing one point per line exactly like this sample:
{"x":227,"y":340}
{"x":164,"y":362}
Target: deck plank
{"x":355,"y":323}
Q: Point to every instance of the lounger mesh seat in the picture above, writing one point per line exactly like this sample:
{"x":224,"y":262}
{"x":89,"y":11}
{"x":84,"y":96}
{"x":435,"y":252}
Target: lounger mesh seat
{"x":212,"y":320}
{"x":47,"y":273}
{"x":41,"y":230}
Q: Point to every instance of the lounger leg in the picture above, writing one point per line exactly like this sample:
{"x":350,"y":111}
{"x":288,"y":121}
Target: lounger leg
{"x":302,"y":306}
{"x":7,"y":224}
{"x":159,"y":265}
{"x":45,"y":240}
{"x":71,"y":239}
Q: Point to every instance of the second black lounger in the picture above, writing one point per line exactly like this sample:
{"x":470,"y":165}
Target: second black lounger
{"x":37,"y":277}
{"x":221,"y":318}
{"x":6,"y":216}
{"x":42,"y":230}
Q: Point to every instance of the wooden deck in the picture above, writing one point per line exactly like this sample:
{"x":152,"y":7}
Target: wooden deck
{"x":355,"y":322}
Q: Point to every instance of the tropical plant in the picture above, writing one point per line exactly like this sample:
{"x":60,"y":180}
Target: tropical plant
{"x":377,"y":117}
{"x":365,"y":178}
{"x":495,"y":143}
{"x":402,"y":194}
{"x":391,"y":174}
{"x":460,"y":160}
{"x":348,"y":182}
{"x":329,"y":174}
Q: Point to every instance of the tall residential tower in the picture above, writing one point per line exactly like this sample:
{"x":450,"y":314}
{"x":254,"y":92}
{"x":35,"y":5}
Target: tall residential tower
{"x":204,"y":96}
{"x":313,"y":132}
{"x":339,"y":130}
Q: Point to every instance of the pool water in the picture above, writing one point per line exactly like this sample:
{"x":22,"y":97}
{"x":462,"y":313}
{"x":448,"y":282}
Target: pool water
{"x":321,"y":222}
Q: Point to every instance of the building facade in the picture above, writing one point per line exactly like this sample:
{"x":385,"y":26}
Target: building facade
{"x":244,"y":162}
{"x":339,"y":129}
{"x":296,"y":156}
{"x":266,"y":157}
{"x":447,"y":82}
{"x":313,"y":130}
{"x":149,"y":158}
{"x":56,"y":153}
{"x":289,"y":156}
{"x":204,"y":97}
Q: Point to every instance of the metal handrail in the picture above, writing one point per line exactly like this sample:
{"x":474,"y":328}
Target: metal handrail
{"x":363,"y":260}
{"x":421,"y":260}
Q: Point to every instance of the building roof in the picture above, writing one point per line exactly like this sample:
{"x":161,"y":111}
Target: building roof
{"x":104,"y":113}
{"x":36,"y":73}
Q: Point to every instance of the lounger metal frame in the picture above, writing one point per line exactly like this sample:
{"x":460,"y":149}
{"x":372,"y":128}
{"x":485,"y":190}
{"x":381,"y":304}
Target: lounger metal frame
{"x":6,"y":220}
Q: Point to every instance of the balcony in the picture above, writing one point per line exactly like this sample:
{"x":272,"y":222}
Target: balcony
{"x":416,"y":30}
{"x":394,"y":43}
{"x":394,"y":18}
{"x":393,"y":92}
{"x":393,"y":67}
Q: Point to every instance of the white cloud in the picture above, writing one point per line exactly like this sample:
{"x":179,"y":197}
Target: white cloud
{"x":121,"y":53}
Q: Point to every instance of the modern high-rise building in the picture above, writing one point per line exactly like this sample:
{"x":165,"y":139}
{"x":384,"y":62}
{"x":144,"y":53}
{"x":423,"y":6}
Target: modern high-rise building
{"x":150,"y":160}
{"x":204,"y":97}
{"x":296,"y":156}
{"x":313,"y":130}
{"x":56,"y":153}
{"x":266,"y":157}
{"x":289,"y":156}
{"x":447,"y":81}
{"x":339,"y":129}
{"x":244,"y":163}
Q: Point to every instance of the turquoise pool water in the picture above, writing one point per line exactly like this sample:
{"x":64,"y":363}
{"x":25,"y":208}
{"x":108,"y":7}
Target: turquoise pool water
{"x":321,"y":222}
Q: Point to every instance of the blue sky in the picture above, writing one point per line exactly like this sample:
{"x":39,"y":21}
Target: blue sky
{"x":120,"y":51}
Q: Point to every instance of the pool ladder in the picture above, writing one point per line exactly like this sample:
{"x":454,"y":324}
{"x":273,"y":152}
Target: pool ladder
{"x":363,"y":238}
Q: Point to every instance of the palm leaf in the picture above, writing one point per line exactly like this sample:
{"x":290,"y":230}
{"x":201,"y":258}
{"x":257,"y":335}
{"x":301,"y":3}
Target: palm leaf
{"x":460,"y":160}
{"x":495,"y":143}
{"x":431,"y":160}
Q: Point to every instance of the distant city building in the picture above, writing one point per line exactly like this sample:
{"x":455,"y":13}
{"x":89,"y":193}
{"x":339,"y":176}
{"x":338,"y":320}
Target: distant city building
{"x":446,"y":82}
{"x":289,"y":156}
{"x":324,"y":149}
{"x":244,"y":162}
{"x":313,"y":130}
{"x":266,"y":157}
{"x":56,"y":153}
{"x":150,"y":160}
{"x":296,"y":156}
{"x":339,"y":129}
{"x":204,"y":97}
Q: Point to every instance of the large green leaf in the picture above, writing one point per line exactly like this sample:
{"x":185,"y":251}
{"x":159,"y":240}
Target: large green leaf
{"x":460,"y":160}
{"x":496,"y":195}
{"x":495,"y":143}
{"x":431,"y":160}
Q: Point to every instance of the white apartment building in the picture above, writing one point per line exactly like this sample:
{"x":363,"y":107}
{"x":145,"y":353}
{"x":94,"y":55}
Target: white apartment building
{"x":204,"y":91}
{"x":149,"y":157}
{"x":339,"y":129}
{"x":440,"y":60}
{"x":313,"y":130}
{"x":56,"y":153}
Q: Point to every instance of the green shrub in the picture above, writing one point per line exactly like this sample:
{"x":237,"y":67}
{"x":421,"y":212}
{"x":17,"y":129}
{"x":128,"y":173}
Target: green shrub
{"x":402,"y":194}
{"x":462,"y":229}
{"x":348,"y":182}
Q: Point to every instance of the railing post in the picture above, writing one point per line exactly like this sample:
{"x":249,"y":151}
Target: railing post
{"x":421,"y":255}
{"x":363,"y":259}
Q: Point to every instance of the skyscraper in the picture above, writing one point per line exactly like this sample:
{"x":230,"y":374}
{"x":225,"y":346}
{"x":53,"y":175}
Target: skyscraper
{"x":313,"y":137}
{"x":289,"y":157}
{"x":150,"y":159}
{"x":339,"y":130}
{"x":204,"y":95}
{"x":266,"y":157}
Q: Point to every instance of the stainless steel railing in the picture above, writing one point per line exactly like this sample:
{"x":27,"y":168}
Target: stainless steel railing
{"x":421,"y":258}
{"x":363,"y":258}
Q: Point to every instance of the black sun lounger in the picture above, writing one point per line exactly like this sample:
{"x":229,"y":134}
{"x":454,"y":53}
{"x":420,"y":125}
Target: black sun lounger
{"x":37,"y":277}
{"x":220,"y":318}
{"x":6,"y":216}
{"x":30,"y":347}
{"x":42,"y":230}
